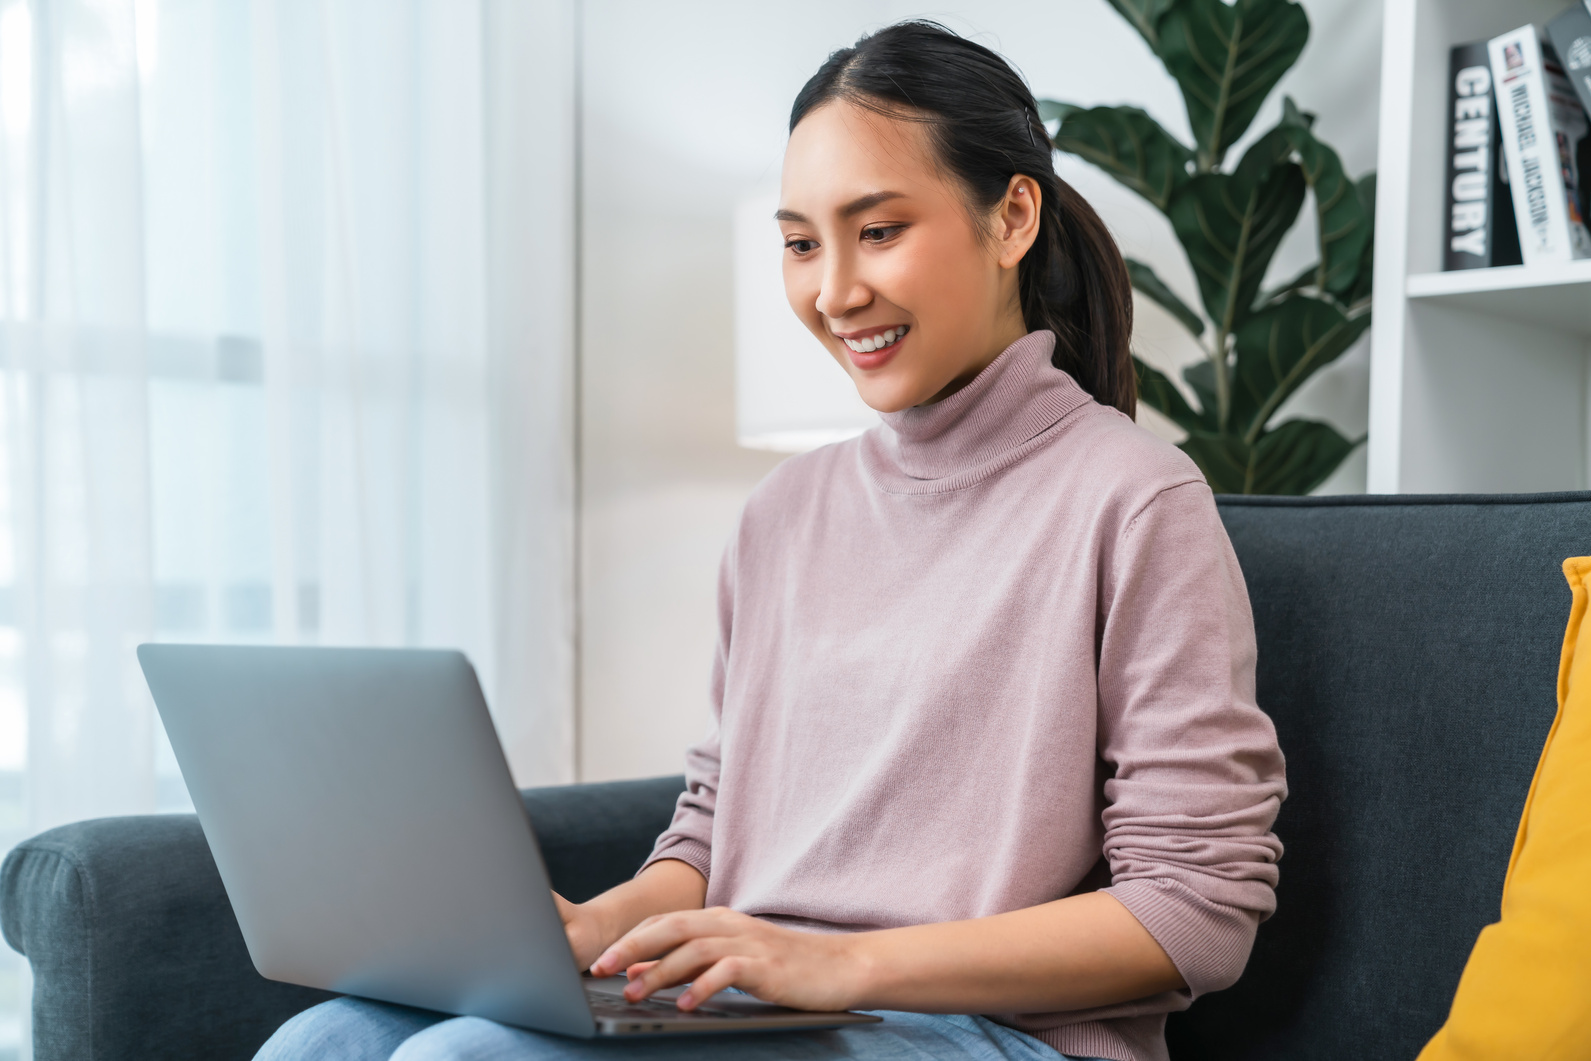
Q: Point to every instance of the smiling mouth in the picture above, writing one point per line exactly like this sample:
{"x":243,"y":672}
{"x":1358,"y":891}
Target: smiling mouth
{"x":878,"y":341}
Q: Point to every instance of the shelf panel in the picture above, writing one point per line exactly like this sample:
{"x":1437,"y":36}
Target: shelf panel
{"x":1556,"y":297}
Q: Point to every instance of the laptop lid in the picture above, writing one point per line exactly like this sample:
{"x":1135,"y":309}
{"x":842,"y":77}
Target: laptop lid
{"x":367,"y":828}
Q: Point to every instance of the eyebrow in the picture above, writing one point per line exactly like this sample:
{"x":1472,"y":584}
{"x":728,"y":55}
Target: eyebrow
{"x":850,"y":209}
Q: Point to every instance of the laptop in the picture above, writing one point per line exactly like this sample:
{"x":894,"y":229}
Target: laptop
{"x":371,"y":840}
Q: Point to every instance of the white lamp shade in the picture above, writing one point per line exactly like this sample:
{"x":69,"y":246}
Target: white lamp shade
{"x":790,"y":396}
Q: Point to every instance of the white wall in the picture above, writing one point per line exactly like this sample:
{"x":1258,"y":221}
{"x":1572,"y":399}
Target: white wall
{"x":531,"y":120}
{"x":683,"y":111}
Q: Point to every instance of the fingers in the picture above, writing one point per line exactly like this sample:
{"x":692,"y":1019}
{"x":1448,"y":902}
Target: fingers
{"x":657,"y":936}
{"x":726,"y":972}
{"x":681,"y":965}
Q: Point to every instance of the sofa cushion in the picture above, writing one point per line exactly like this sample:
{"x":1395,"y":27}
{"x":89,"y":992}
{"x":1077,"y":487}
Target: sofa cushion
{"x":1526,"y":992}
{"x":1407,"y":649}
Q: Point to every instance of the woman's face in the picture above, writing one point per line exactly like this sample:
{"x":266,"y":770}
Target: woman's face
{"x":883,"y":262}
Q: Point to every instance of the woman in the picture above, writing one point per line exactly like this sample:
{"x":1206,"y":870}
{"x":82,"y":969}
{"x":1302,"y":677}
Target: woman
{"x":986,"y":739}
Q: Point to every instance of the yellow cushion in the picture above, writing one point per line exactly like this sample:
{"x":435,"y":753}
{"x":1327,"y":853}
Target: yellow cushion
{"x":1526,"y":991}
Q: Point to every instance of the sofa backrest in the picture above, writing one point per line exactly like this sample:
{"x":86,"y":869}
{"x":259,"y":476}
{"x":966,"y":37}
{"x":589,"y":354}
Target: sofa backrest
{"x":1408,"y":653}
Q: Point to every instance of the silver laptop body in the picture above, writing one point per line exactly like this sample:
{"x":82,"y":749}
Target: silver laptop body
{"x":372,"y":842}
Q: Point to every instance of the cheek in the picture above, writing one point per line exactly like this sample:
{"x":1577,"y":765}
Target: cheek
{"x":802,"y":282}
{"x":932,"y":281}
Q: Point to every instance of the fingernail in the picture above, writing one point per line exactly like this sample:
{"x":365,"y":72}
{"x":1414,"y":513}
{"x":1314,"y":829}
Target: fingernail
{"x":686,"y":1001}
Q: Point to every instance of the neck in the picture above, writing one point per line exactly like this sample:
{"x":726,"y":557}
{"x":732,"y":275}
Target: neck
{"x":1008,"y":330}
{"x":935,"y":447}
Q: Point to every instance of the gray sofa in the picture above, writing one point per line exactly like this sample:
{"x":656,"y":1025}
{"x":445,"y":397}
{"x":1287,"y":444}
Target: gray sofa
{"x":1408,"y":651}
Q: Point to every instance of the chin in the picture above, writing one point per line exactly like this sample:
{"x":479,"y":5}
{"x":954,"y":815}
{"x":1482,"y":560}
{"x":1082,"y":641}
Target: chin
{"x":889,"y":396}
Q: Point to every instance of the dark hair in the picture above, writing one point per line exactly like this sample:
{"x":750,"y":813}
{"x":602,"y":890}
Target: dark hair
{"x":985,"y":129}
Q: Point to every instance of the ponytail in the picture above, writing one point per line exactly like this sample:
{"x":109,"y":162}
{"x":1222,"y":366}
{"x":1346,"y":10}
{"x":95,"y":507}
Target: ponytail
{"x":985,"y":128}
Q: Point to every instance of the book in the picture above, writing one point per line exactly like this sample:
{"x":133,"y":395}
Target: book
{"x":1480,"y":230}
{"x":1543,"y":124}
{"x":1570,"y":36}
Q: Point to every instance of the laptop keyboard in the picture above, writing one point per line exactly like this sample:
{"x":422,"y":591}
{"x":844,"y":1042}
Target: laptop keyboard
{"x":605,"y":1005}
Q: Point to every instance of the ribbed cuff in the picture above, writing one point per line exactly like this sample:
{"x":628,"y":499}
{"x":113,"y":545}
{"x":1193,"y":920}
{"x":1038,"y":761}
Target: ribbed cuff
{"x":693,"y":853}
{"x":1208,"y":942}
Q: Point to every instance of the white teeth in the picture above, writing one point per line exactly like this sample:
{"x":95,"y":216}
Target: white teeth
{"x":876,"y":342}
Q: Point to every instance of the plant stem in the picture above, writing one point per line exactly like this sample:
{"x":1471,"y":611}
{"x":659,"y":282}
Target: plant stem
{"x":1223,"y":384}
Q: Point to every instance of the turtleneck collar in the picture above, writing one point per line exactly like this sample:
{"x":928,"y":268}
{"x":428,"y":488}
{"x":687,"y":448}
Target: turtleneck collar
{"x":977,"y":430}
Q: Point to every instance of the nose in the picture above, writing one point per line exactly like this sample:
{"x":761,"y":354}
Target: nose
{"x":842,"y":290}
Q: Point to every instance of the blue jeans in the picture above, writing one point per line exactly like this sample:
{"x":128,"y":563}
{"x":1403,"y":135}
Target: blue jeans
{"x":356,"y":1029}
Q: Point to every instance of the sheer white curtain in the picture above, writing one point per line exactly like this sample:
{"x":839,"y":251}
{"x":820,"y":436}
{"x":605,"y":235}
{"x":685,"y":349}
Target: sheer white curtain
{"x":284,"y":357}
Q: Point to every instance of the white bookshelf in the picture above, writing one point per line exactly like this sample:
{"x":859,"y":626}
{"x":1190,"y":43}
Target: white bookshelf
{"x":1478,"y":378}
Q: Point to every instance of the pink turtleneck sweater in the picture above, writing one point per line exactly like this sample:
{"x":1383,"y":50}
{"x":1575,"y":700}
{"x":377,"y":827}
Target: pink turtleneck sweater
{"x":967,"y":656}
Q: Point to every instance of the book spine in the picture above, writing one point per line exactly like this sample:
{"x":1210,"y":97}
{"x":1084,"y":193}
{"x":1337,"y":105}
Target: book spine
{"x":1480,"y":215}
{"x":1530,"y":148}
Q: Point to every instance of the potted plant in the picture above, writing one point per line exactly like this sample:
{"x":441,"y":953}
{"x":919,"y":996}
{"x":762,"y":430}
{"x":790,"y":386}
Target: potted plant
{"x":1260,"y":345}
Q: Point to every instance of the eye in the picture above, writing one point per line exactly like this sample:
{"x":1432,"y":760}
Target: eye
{"x":801,"y":246}
{"x":880,"y":233}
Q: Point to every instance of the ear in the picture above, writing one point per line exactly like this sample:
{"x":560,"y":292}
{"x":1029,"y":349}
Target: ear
{"x":1016,"y":220}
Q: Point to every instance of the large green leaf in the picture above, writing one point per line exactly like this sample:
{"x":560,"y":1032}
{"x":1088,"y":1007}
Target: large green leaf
{"x":1126,"y":143}
{"x":1200,"y":378}
{"x":1305,"y":278}
{"x":1227,"y":58}
{"x":1297,"y":457}
{"x":1278,"y":349}
{"x":1262,"y":156}
{"x":1344,"y":228}
{"x":1224,"y":460}
{"x":1294,"y":459}
{"x":1364,"y":279}
{"x":1158,"y":392}
{"x":1230,"y":228}
{"x":1147,"y":283}
{"x":1144,"y":14}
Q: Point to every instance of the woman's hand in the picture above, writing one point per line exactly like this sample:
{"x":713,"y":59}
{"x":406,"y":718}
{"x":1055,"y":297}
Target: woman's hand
{"x":718,"y":948}
{"x":584,"y":925}
{"x":665,"y":885}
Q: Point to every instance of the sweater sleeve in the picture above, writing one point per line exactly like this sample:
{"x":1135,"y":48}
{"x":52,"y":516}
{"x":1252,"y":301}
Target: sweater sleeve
{"x":689,"y":837}
{"x":1198,"y":776}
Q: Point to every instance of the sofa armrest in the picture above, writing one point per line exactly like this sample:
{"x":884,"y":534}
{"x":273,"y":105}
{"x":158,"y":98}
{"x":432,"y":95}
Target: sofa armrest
{"x":136,"y":953}
{"x":134,"y":949}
